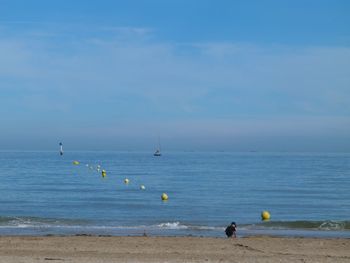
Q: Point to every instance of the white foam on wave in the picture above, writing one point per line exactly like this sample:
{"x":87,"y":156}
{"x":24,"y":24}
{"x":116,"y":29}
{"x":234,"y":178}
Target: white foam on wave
{"x":178,"y":225}
{"x":172,"y":225}
{"x":47,"y":225}
{"x":331,"y":225}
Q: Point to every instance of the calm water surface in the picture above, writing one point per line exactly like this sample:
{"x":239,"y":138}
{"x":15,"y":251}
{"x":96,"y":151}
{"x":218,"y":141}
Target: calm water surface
{"x":307,"y":194}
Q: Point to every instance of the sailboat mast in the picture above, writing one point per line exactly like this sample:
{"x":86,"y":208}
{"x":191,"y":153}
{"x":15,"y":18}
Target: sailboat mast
{"x":159,"y":143}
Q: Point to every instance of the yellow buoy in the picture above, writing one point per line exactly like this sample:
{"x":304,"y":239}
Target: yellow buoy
{"x":142,"y":187}
{"x":126,"y":180}
{"x":75,"y":162}
{"x":164,"y":197}
{"x":265,"y":215}
{"x":103,"y":173}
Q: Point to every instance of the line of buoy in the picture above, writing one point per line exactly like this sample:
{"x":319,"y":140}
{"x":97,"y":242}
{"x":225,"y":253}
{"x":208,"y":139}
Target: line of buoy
{"x":265,"y":215}
{"x":164,"y":196}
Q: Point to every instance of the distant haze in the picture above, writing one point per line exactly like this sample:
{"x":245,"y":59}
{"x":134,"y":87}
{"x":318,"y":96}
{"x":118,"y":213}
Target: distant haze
{"x":200,"y":75}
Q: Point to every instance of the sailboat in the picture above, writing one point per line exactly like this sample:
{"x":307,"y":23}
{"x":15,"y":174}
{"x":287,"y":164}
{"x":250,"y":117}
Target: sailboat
{"x":157,"y":152}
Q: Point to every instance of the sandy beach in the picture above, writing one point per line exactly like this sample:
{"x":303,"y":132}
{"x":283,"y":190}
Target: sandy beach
{"x":172,"y":249}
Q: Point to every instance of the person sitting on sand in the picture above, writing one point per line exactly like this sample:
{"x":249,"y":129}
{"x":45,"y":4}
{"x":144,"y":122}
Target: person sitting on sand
{"x":231,"y":230}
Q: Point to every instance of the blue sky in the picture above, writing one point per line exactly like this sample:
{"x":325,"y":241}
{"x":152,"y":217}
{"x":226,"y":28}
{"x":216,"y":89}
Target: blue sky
{"x":203,"y":75}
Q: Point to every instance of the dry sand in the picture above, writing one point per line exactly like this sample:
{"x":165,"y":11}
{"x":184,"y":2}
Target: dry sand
{"x":172,"y":249}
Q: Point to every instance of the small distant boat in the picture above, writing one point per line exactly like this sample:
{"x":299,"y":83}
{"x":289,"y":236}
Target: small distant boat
{"x":157,"y":152}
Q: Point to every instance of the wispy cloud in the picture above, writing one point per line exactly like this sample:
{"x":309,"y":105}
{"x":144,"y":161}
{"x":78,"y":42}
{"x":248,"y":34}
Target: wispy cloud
{"x":206,"y":88}
{"x":129,"y":31}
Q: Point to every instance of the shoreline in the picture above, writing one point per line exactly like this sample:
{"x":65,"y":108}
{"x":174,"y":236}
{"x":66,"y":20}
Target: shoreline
{"x":127,"y":232}
{"x":91,"y":249}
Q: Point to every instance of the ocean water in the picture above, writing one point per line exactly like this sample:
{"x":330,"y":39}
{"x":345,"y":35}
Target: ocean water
{"x":43,"y":193}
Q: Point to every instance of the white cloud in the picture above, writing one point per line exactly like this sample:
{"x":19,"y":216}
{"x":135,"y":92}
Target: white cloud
{"x":199,"y":87}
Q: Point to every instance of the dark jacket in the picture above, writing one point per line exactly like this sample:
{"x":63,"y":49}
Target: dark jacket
{"x":230,"y":230}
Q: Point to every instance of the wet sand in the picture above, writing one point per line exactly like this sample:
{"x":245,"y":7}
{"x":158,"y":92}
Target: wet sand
{"x":172,"y":249}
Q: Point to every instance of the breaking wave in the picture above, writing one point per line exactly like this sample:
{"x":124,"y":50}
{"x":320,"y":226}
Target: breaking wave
{"x":77,"y":225}
{"x":327,"y":225}
{"x":23,"y":222}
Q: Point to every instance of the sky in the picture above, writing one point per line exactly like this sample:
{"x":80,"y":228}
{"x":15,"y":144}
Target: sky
{"x":202,"y":75}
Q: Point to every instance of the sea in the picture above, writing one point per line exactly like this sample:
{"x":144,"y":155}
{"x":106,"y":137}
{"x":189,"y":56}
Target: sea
{"x":43,"y":193}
